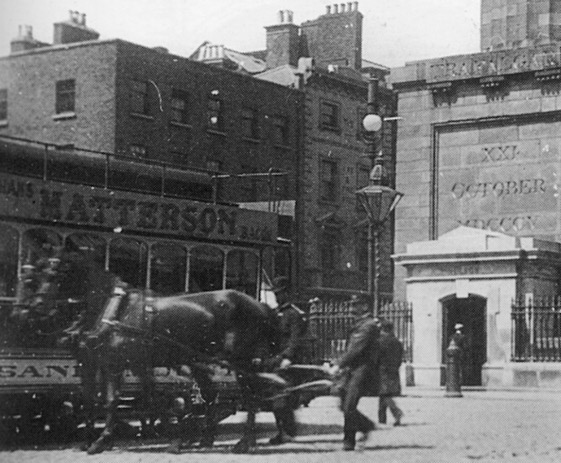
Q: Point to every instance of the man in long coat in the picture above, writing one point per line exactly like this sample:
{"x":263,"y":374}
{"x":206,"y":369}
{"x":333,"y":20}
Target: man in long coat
{"x":391,"y":356}
{"x":359,"y":368}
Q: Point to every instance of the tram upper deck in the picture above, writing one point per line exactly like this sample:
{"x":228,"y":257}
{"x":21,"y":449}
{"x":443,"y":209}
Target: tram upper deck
{"x":166,"y":243}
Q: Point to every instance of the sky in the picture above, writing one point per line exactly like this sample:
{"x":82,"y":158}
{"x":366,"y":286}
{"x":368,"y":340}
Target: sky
{"x":394,"y":31}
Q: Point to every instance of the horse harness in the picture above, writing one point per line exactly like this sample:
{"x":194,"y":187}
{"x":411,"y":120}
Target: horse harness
{"x":146,"y":332}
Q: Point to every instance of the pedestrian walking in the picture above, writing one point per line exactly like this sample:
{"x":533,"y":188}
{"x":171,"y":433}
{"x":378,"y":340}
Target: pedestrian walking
{"x":292,"y":327}
{"x":359,"y":372}
{"x":391,"y":357}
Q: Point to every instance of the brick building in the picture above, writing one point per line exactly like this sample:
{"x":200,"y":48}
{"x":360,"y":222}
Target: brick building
{"x":478,"y":161}
{"x":323,"y":58}
{"x":162,"y":110}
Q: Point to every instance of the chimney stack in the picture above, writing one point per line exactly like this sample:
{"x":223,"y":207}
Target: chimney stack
{"x":341,"y":8}
{"x":283,"y":41}
{"x":25,"y":41}
{"x":336,"y":37}
{"x":73,"y":30}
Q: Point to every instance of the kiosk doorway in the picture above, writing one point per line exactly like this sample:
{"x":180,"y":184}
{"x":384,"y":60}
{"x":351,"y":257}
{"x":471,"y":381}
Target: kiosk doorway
{"x":470,"y":312}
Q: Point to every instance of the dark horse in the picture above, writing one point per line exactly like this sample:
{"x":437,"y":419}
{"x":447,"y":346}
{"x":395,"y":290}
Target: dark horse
{"x":120,"y":328}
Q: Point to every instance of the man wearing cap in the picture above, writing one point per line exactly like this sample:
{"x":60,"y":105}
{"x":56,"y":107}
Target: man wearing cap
{"x":359,"y":369}
{"x":292,"y":328}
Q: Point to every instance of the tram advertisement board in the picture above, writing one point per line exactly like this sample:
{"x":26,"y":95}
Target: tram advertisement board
{"x":33,"y":199}
{"x":37,"y":370}
{"x":503,"y":178}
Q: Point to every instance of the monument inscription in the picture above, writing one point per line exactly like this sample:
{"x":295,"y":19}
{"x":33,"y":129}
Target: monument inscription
{"x":508,"y":185}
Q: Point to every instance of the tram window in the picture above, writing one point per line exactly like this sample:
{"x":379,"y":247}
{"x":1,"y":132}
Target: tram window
{"x":267,"y":262}
{"x":39,"y":244}
{"x":206,"y":269}
{"x":282,"y":262}
{"x":127,"y":259}
{"x":8,"y":261}
{"x":167,"y":269}
{"x":93,"y":245}
{"x":241,"y":271}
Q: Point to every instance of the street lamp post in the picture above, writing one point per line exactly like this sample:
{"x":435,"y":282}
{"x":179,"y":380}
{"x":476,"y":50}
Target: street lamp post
{"x":377,"y":199}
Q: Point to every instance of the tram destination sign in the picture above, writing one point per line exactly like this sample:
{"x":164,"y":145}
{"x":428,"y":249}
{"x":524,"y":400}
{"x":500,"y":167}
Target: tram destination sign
{"x":33,"y":199}
{"x":500,"y":178}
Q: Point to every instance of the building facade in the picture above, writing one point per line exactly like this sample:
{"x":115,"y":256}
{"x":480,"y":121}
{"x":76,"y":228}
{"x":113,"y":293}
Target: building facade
{"x":478,"y":148}
{"x":323,"y":58}
{"x":162,"y":114}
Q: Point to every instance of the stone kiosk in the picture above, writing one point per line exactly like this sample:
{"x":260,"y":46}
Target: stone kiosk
{"x":472,"y":276}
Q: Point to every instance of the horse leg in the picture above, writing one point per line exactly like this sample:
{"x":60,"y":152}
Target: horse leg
{"x":148,"y":416}
{"x":248,"y":440}
{"x":89,"y":381}
{"x":249,"y":398}
{"x":209,"y":393}
{"x":112,"y":384}
{"x":90,"y":409}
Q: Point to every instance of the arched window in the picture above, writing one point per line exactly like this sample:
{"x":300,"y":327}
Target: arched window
{"x":8,"y":261}
{"x":241,"y":271}
{"x":206,"y":269}
{"x":94,"y":246}
{"x":128,"y":259}
{"x":39,"y":243}
{"x":167,"y":268}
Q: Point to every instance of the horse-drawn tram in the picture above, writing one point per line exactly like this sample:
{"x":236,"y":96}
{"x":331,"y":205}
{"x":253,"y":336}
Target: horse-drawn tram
{"x":140,"y":224}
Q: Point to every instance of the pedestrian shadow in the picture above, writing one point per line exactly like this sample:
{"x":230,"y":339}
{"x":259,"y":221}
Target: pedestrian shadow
{"x":399,"y":447}
{"x":304,"y":429}
{"x":265,"y":449}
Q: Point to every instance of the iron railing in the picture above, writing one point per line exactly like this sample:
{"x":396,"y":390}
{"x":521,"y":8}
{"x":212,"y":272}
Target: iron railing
{"x":330,"y":323}
{"x":536,"y":330}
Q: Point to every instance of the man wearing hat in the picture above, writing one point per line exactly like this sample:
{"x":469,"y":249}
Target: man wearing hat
{"x":460,"y":340}
{"x":359,"y":370}
{"x":292,"y":328}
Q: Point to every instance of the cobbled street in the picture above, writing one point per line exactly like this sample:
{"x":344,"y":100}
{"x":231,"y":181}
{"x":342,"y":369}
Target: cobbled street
{"x":483,"y":426}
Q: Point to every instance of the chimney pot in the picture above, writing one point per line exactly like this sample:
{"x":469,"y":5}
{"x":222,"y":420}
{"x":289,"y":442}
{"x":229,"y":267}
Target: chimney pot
{"x":342,"y":7}
{"x":290,"y":16}
{"x":350,"y":7}
{"x":328,"y":9}
{"x":335,"y":9}
{"x":356,"y":6}
{"x":29,"y":32}
{"x":83,"y":22}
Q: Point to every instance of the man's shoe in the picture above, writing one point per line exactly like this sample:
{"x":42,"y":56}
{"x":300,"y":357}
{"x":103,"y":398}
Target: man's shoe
{"x":348,"y":446}
{"x":398,"y":418}
{"x":281,"y":439}
{"x":363,"y":437}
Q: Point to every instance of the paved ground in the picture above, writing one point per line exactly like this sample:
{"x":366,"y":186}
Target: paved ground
{"x":483,"y":426}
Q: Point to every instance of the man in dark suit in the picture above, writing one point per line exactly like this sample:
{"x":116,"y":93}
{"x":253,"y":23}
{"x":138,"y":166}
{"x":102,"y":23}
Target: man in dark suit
{"x":292,"y":329}
{"x":359,"y":370}
{"x":391,"y":356}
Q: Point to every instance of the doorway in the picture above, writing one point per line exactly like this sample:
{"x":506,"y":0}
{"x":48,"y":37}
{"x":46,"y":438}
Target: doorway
{"x":470,"y":312}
